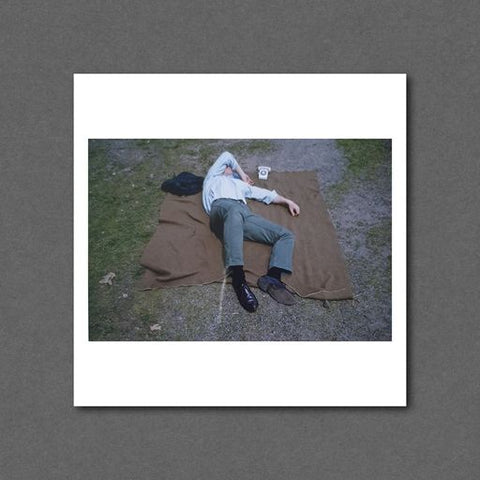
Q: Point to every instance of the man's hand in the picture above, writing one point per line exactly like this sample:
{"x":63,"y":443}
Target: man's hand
{"x":293,"y":208}
{"x":244,"y":176}
{"x":247,"y":179}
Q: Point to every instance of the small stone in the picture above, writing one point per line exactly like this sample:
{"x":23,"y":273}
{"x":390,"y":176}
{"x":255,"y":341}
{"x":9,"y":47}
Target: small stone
{"x":107,"y":279}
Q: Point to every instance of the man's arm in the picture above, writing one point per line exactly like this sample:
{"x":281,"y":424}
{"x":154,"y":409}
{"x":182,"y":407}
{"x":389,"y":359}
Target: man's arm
{"x":226,"y":159}
{"x":271,"y":196}
{"x":292,"y":206}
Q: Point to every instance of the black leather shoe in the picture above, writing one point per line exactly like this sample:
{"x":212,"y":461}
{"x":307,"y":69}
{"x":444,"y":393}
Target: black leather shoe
{"x":246,"y":297}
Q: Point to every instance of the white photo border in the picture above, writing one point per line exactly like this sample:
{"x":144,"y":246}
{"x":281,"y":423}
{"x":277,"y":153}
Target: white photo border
{"x":285,"y":106}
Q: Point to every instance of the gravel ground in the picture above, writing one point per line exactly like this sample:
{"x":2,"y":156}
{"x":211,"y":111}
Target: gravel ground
{"x":360,"y":208}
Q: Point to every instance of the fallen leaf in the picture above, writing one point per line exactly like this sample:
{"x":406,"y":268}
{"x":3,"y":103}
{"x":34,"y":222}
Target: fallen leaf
{"x":155,"y":327}
{"x":107,"y":279}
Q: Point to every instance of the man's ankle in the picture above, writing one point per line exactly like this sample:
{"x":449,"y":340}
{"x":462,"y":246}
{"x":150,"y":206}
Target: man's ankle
{"x":275,"y":272}
{"x":238,"y":274}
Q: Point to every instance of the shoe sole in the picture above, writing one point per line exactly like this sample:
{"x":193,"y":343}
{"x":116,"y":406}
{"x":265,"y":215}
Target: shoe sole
{"x":279,"y":294}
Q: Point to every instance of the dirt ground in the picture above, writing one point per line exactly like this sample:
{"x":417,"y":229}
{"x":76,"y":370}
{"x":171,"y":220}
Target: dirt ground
{"x":359,"y":203}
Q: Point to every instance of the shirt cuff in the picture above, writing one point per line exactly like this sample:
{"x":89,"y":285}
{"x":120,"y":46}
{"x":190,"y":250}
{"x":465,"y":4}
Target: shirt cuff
{"x":270,"y":198}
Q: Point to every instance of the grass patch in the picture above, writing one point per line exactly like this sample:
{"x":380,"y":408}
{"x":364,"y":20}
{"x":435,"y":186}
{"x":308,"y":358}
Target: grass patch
{"x":335,"y":193}
{"x":365,"y":156}
{"x":252,"y":147}
{"x":120,"y":212}
{"x":123,"y":212}
{"x":366,"y":160}
{"x":380,"y":279}
{"x":380,"y":235}
{"x":162,"y":143}
{"x":378,"y":239}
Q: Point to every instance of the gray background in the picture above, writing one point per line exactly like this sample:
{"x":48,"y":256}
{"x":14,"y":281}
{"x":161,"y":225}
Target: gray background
{"x":43,"y":43}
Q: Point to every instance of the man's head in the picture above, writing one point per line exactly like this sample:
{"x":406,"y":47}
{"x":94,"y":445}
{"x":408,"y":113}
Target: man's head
{"x":228,"y":171}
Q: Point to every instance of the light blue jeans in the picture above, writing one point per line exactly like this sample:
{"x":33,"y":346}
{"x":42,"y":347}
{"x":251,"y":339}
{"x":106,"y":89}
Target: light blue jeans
{"x":233,"y":222}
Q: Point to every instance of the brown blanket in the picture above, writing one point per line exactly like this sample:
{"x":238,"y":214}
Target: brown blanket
{"x":183,"y":250}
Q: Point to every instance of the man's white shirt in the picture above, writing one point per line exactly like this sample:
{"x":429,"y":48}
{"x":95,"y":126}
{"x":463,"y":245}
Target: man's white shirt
{"x":217,"y":185}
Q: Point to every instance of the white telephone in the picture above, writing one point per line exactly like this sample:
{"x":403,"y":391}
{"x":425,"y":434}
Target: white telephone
{"x":263,"y":172}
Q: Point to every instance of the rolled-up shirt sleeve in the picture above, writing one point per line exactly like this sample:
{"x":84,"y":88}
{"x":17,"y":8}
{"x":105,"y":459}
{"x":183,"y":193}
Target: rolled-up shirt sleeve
{"x":261,"y":194}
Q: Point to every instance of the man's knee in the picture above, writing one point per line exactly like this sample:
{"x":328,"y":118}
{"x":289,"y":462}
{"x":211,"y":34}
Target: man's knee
{"x":288,"y":234}
{"x":233,"y":224}
{"x":234,"y":216}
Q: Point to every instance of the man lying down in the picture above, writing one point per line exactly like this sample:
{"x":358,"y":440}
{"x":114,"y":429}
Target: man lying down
{"x":225,"y":190}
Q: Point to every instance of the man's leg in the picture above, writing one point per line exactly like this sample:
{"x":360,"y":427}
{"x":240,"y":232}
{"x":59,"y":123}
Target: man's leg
{"x":226,"y":222}
{"x":258,"y":229}
{"x":227,"y":219}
